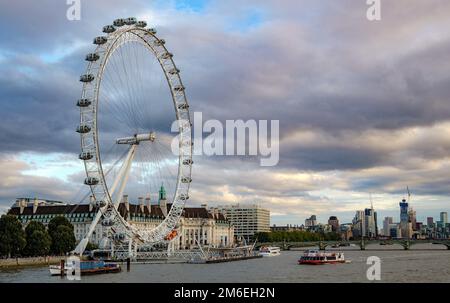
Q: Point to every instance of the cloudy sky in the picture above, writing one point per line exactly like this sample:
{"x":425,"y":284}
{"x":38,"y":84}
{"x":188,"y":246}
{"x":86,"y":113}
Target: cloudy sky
{"x":364,"y":107}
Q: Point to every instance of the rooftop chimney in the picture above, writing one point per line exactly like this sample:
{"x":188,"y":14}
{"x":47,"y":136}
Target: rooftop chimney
{"x":141,"y":203}
{"x":125,"y":201}
{"x":22,"y":204}
{"x":148,"y":203}
{"x":35,"y":205}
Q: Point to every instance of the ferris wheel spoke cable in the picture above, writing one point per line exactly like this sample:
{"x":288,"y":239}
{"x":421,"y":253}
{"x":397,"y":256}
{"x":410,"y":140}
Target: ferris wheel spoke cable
{"x":119,"y":85}
{"x":130,"y":84}
{"x":111,"y":105}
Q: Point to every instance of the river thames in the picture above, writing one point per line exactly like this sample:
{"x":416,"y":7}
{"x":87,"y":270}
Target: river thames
{"x":415,"y":265}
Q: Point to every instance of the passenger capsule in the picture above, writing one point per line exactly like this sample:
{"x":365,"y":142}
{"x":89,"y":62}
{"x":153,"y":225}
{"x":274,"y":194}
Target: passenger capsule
{"x":166,"y":55}
{"x":188,"y":162}
{"x":186,"y":180}
{"x":152,"y":31}
{"x":183,"y":197}
{"x":130,"y":21}
{"x":107,"y":222}
{"x":109,"y":29}
{"x":178,"y":88}
{"x":86,"y":78}
{"x":92,"y":57}
{"x":91,"y":181}
{"x":100,"y":204}
{"x":159,"y":42}
{"x":83,"y":128}
{"x":83,"y":102}
{"x":119,"y":22}
{"x":174,"y":71}
{"x":119,"y":236}
{"x":100,"y":40}
{"x":141,"y":24}
{"x":183,"y":106}
{"x":86,"y":156}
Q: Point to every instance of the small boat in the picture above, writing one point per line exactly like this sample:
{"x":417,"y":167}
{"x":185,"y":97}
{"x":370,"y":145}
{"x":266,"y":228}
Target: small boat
{"x":315,"y":257}
{"x":269,"y":251}
{"x":86,"y":268}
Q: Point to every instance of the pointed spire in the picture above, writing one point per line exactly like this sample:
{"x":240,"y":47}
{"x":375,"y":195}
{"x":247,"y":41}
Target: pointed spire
{"x":162,"y":193}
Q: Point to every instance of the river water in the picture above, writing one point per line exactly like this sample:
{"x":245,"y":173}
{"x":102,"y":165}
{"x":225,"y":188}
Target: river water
{"x":415,"y":265}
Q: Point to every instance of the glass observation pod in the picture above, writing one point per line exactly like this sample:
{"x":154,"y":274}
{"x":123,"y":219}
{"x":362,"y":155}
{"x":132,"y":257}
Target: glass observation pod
{"x":152,"y":31}
{"x":86,"y":156}
{"x":188,"y":162}
{"x":92,"y":57}
{"x":178,"y":88}
{"x":183,"y":106}
{"x":166,"y":55}
{"x":141,"y":24}
{"x":100,"y":40}
{"x":83,"y":102}
{"x":107,"y":222}
{"x":109,"y":29}
{"x":86,"y":78}
{"x":174,"y":71}
{"x":186,"y":180}
{"x":183,"y":197}
{"x":83,"y":128}
{"x":130,"y":21}
{"x":100,"y":204}
{"x":119,"y":22}
{"x":91,"y":181}
{"x":119,"y":236}
{"x":159,"y":42}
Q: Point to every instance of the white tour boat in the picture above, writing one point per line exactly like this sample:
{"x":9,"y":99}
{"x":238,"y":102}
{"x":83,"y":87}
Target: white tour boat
{"x":269,"y":251}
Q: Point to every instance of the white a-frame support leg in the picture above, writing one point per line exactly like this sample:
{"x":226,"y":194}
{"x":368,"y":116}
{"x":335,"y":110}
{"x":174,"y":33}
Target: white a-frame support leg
{"x":123,"y":174}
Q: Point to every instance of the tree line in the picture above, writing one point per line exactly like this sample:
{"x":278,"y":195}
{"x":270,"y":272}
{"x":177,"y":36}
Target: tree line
{"x":295,"y":236}
{"x":57,"y":238}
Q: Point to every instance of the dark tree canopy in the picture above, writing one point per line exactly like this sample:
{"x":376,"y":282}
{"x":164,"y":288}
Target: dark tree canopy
{"x":57,"y":221}
{"x":34,"y":226}
{"x":38,"y":243}
{"x":12,"y":236}
{"x":63,"y":240}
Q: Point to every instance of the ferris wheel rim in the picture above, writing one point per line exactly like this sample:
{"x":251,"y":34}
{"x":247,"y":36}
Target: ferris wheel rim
{"x":90,"y":141}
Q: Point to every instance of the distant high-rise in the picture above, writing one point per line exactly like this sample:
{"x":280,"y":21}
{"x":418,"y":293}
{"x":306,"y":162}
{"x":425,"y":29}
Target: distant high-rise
{"x":430,"y":222}
{"x":311,"y":221}
{"x":412,"y":218}
{"x":405,"y":224}
{"x":444,"y":218}
{"x":387,"y":221}
{"x":370,"y":222}
{"x":404,"y":217}
{"x":334,"y":222}
{"x":359,"y":224}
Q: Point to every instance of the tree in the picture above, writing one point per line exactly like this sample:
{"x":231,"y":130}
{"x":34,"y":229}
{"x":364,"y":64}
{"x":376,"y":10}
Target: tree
{"x":63,"y":240}
{"x":38,"y":243}
{"x":12,"y":236}
{"x":57,"y":221}
{"x":33,"y":226}
{"x":38,"y":239}
{"x":61,"y":233}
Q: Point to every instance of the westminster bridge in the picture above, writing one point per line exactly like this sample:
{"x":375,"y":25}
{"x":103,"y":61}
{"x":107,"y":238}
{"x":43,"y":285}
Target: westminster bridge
{"x":362,"y":244}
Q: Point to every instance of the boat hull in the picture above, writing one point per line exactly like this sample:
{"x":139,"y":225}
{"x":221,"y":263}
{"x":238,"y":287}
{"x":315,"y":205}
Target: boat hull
{"x":55,"y":270}
{"x":319,"y":262}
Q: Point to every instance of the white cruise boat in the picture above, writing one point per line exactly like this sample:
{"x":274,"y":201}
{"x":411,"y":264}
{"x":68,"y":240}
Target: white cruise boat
{"x":269,"y":251}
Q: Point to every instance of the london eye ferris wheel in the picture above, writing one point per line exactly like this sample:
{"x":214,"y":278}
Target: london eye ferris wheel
{"x":132,"y":92}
